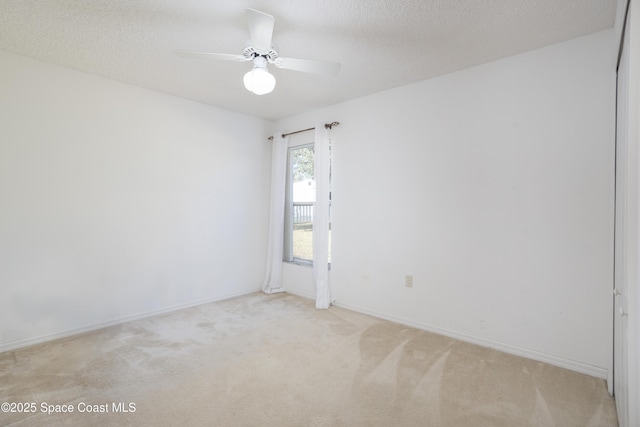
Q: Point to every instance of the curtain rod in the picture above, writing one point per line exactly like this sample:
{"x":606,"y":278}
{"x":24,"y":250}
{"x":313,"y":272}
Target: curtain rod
{"x":326,"y":125}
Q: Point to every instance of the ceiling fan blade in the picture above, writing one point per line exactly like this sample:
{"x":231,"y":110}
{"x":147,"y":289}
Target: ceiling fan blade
{"x":308,"y":66}
{"x":208,"y":55}
{"x":260,"y":29}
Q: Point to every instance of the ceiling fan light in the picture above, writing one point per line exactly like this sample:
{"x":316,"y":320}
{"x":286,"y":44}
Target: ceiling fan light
{"x":259,"y":81}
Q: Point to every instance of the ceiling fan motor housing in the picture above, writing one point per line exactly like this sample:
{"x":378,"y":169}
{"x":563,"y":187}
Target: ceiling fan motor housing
{"x":250,"y":52}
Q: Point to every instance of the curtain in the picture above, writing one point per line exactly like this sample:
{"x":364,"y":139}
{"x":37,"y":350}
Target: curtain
{"x":321,"y":217}
{"x":273,"y":275}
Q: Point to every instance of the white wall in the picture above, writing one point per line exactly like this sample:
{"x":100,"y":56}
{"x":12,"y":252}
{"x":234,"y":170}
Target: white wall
{"x":493,"y":187}
{"x":119,"y":202}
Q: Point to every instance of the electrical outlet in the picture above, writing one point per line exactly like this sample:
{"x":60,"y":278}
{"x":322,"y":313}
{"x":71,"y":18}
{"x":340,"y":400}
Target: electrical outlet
{"x":408,"y":281}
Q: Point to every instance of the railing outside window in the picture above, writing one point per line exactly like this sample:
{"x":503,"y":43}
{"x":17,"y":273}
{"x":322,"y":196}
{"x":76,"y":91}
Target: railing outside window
{"x":302,"y":217}
{"x":302,"y":212}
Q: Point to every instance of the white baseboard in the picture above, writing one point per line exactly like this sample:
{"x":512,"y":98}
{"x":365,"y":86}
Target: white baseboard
{"x":13,"y":345}
{"x":573,"y":365}
{"x":301,"y":294}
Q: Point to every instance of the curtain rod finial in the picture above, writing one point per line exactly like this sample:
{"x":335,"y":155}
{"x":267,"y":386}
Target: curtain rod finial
{"x":331,"y":125}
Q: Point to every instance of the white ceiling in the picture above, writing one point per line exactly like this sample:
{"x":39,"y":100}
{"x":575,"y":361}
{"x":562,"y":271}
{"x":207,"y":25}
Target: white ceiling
{"x":381,"y":43}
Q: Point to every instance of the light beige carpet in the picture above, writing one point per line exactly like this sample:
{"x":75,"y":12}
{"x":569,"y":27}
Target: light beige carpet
{"x":273,"y":360}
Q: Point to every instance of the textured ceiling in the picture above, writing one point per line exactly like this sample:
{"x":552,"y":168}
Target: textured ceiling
{"x":380,"y":43}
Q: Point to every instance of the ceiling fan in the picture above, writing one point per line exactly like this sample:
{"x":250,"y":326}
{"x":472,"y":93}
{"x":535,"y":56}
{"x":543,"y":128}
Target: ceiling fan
{"x":261,"y":51}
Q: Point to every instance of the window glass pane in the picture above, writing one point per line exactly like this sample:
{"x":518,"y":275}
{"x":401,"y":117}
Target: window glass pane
{"x":303,"y":196}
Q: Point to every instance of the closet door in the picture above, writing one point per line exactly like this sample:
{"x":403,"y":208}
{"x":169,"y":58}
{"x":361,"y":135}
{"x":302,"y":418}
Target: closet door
{"x":626,"y":370}
{"x":620,"y":353}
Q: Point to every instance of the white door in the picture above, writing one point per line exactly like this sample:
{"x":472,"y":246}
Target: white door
{"x":620,"y":361}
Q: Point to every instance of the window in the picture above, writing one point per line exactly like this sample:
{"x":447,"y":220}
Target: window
{"x":300,"y":200}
